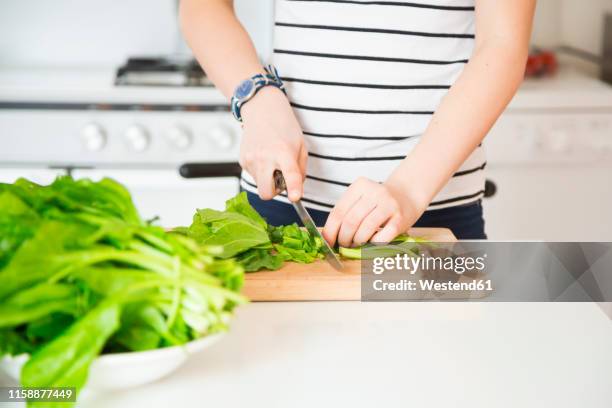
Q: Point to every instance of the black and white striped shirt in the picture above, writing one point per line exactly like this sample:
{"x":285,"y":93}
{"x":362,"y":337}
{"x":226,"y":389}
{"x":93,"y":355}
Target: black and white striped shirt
{"x":364,"y":78}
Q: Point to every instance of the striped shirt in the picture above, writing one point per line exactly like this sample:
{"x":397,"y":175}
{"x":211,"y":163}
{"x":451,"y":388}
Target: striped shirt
{"x":364,"y":79}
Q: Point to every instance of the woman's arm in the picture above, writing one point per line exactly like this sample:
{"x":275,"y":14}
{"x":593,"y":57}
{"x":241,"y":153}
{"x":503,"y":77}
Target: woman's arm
{"x":272,"y":137}
{"x":466,"y":114}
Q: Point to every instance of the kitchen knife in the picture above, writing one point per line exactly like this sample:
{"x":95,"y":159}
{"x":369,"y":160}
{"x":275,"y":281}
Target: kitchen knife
{"x":330,"y":256}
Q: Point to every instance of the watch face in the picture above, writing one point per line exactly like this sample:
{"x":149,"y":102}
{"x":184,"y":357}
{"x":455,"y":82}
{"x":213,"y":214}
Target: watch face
{"x":245,"y":89}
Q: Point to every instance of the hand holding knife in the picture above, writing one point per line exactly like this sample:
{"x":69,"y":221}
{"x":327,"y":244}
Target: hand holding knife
{"x":330,"y":255}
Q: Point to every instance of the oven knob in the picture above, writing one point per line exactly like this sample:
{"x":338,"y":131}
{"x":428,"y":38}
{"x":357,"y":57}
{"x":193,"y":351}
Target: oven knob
{"x":558,"y":141}
{"x":137,"y":138}
{"x":179,"y":137}
{"x":94,"y":137}
{"x":222,"y":137}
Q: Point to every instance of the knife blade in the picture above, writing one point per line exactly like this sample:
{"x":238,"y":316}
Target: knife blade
{"x":330,"y":255}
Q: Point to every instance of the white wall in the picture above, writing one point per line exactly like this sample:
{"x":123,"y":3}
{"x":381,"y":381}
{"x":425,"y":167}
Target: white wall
{"x":94,"y":32}
{"x":258,"y":18}
{"x":575,"y":23}
{"x":105,"y":32}
{"x":582,"y":23}
{"x":547,"y":24}
{"x":84,"y":32}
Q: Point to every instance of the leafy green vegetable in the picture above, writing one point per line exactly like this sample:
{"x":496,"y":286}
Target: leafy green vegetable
{"x":296,"y":244}
{"x":255,"y":259}
{"x":231,"y":230}
{"x":37,"y":302}
{"x":245,"y":235}
{"x":64,"y":362}
{"x":240,"y":204}
{"x":13,"y":234}
{"x":81,"y":274}
{"x":401,"y":244}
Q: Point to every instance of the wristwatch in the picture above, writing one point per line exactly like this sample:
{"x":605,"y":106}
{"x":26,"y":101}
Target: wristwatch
{"x":249,"y":87}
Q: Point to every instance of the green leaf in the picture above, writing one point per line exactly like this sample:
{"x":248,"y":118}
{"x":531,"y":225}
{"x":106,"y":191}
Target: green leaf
{"x":230,"y":273}
{"x":13,"y":343}
{"x":137,"y":338}
{"x":233,"y":231}
{"x":110,"y":279}
{"x":240,"y":204}
{"x":65,"y":361}
{"x":48,"y":327}
{"x":256,"y":259}
{"x":142,"y":327}
{"x":36,"y":302}
{"x":41,"y":256}
{"x":18,"y":222}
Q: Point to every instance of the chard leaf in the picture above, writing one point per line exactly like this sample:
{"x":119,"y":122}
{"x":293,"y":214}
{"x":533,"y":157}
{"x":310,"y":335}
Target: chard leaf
{"x":65,"y":361}
{"x":48,"y":327}
{"x":232,"y":231}
{"x":142,"y":327}
{"x":230,"y":273}
{"x":240,"y":204}
{"x":36,"y":302}
{"x":18,"y":222}
{"x":13,"y":343}
{"x":137,"y":338}
{"x":40,"y":257}
{"x":255,"y":259}
{"x":111,"y":279}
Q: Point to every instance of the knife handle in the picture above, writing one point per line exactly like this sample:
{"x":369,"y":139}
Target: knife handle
{"x":279,"y":182}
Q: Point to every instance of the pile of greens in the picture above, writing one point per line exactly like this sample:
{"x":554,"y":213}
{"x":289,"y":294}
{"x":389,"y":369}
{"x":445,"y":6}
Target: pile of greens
{"x":82,"y":274}
{"x":243,"y":234}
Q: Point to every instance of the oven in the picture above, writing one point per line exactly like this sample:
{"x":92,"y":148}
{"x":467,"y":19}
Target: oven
{"x":173,"y":157}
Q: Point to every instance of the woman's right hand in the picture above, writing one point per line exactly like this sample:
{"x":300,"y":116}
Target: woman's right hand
{"x":272,"y":139}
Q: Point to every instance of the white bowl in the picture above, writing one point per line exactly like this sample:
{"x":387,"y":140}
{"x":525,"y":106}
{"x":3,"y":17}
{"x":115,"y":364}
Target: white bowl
{"x":126,"y":370}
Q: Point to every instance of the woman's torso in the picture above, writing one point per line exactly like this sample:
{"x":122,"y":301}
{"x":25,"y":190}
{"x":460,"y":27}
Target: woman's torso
{"x":364,"y":78}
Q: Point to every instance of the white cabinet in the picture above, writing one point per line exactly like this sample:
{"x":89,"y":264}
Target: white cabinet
{"x":553,"y":172}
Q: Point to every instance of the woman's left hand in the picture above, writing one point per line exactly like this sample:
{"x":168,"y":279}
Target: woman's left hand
{"x":365,"y":207}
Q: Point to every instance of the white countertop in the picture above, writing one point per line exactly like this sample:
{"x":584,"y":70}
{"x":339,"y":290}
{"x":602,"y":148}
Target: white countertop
{"x":341,"y":354}
{"x":568,"y":89}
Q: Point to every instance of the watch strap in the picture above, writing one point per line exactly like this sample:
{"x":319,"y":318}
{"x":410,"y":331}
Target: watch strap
{"x":259,"y":81}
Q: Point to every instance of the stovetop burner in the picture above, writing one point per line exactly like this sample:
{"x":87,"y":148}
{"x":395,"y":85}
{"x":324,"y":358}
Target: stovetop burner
{"x":161,"y":71}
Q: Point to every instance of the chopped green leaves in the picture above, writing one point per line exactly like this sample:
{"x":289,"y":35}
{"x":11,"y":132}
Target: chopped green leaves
{"x":245,"y":235}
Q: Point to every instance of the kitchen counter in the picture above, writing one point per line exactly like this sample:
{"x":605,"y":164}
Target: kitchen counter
{"x":396,"y":354}
{"x":568,"y":90}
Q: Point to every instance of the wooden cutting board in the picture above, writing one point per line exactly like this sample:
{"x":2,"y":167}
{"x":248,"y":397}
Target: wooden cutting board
{"x":318,"y":280}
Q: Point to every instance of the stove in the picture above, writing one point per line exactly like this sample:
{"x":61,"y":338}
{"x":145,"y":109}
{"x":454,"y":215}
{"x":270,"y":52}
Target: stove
{"x":107,"y":122}
{"x":161,"y":71}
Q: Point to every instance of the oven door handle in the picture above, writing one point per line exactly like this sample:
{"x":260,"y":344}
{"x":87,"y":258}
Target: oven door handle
{"x":209,"y":170}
